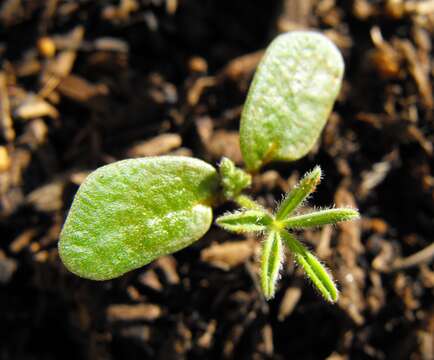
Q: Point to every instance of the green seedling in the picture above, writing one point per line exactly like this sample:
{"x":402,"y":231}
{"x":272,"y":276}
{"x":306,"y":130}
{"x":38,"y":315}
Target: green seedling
{"x":129,"y":213}
{"x":277,"y":229}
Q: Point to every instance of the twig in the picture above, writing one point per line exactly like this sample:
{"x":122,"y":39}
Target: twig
{"x":421,"y":257}
{"x":5,"y":115}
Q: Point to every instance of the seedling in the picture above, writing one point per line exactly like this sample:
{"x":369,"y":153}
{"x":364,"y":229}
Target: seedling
{"x":131,"y":212}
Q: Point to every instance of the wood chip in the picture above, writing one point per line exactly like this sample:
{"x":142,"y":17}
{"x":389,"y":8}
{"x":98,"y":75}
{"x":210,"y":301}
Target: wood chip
{"x":78,"y":177}
{"x":79,"y":89}
{"x":158,"y":145}
{"x":420,"y":7}
{"x":5,"y":160}
{"x":171,"y":6}
{"x":150,"y":279}
{"x":294,"y":14}
{"x":22,"y":241}
{"x":323,"y":249}
{"x":219,"y":143}
{"x":61,"y":65}
{"x":205,"y":129}
{"x":225,"y":143}
{"x":290,"y":300}
{"x":197,"y":64}
{"x":363,"y":9}
{"x":376,"y":295}
{"x":47,"y":198}
{"x":416,"y":134}
{"x":205,"y":340}
{"x":41,"y":256}
{"x":167,"y":264}
{"x":426,"y":343}
{"x":46,"y":47}
{"x":35,"y":135}
{"x":138,"y":333}
{"x":35,"y":107}
{"x":423,"y":256}
{"x":6,"y":125}
{"x":351,"y":276}
{"x":385,"y":59}
{"x":229,"y":254}
{"x":196,"y":90}
{"x":134,"y":294}
{"x":111,"y":44}
{"x":242,"y":66}
{"x":419,"y":72}
{"x":8,"y":267}
{"x":123,"y":312}
{"x":271,"y":180}
{"x":373,"y":177}
{"x":267,"y":347}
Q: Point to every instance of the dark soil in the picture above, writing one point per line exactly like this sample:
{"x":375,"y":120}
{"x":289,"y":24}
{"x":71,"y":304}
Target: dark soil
{"x":86,"y":83}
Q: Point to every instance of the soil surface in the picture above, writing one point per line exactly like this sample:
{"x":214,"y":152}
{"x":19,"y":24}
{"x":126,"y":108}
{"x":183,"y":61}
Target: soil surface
{"x":85,"y":83}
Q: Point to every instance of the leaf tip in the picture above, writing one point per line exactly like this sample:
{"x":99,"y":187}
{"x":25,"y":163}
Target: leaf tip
{"x":313,"y":177}
{"x":349,"y":214}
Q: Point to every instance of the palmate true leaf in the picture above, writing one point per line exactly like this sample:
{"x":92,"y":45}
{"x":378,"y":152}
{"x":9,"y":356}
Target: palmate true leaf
{"x":129,"y":213}
{"x":290,"y":98}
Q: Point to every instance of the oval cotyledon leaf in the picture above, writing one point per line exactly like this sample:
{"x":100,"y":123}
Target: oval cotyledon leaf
{"x":128,"y":213}
{"x":290,"y":99}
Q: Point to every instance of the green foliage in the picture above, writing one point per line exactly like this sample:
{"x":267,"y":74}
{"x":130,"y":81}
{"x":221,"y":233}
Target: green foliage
{"x":320,"y":218}
{"x":233,"y":179}
{"x":131,"y":212}
{"x":245,"y":221}
{"x":271,"y":262}
{"x":276,"y":227}
{"x":296,"y":197}
{"x":313,"y":268}
{"x":290,"y":98}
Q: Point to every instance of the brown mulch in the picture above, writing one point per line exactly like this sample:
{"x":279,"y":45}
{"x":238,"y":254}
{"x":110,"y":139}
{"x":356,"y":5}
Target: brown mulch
{"x":86,"y":83}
